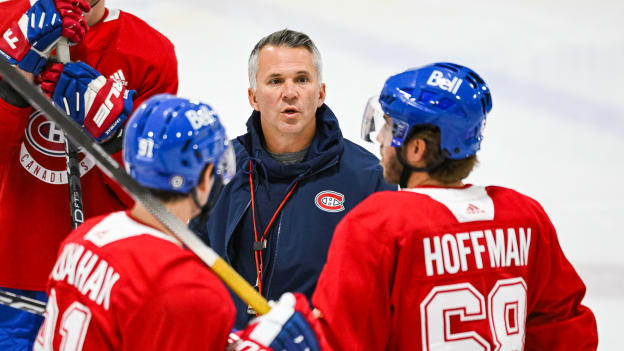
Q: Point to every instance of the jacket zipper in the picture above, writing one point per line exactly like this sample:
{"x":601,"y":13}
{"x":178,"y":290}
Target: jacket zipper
{"x":269,"y":276}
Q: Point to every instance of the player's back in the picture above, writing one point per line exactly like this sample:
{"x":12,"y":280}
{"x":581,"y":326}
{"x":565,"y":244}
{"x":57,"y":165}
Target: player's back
{"x":121,"y":285}
{"x":475,"y":268}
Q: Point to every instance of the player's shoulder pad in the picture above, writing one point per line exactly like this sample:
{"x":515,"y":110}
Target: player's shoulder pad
{"x":516,"y":197}
{"x":143,"y":38}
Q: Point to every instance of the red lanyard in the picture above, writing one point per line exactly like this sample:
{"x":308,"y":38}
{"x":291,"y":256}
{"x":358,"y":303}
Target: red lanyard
{"x":259,"y":245}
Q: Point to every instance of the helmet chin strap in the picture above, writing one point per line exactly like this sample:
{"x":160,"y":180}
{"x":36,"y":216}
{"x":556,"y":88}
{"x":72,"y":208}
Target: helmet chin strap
{"x":408,"y":169}
{"x":195,"y":200}
{"x":217,"y":186}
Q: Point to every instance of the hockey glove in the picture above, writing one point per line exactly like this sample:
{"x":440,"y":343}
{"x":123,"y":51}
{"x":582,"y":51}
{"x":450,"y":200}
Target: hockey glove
{"x":100,"y":105}
{"x":289,"y":326}
{"x":28,"y":42}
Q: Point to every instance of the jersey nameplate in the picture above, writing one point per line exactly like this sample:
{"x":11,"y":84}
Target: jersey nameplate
{"x":467,"y":205}
{"x":118,"y":226}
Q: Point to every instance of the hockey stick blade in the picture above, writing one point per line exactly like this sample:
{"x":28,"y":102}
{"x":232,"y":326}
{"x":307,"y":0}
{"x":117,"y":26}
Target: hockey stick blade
{"x":22,"y":302}
{"x":109,"y":166}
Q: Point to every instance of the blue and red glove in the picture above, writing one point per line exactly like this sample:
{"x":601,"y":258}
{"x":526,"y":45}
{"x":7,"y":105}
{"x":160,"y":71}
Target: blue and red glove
{"x":98,"y":104}
{"x":289,"y":326}
{"x":28,"y":42}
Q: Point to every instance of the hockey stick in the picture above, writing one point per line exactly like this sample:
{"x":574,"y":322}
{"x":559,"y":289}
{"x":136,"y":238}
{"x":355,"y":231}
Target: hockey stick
{"x":77,"y":136}
{"x":71,"y":156}
{"x":22,"y":302}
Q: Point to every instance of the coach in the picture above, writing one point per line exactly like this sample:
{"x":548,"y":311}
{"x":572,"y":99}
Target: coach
{"x":296,"y":175}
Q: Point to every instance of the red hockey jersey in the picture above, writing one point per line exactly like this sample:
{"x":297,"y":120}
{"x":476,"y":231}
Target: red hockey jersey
{"x":34,"y":196}
{"x":476,"y":268}
{"x":119,"y":284}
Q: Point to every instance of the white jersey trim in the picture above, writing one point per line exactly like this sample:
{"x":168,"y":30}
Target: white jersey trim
{"x":467,"y":204}
{"x":119,"y":226}
{"x":113,"y":14}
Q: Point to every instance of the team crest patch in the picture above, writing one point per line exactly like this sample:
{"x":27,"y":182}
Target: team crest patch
{"x":329,"y":201}
{"x":44,"y":157}
{"x":45,"y":136}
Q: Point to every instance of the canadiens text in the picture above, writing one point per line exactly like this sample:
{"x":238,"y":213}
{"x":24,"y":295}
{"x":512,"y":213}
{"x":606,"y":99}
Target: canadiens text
{"x":450,"y":253}
{"x":78,"y":267}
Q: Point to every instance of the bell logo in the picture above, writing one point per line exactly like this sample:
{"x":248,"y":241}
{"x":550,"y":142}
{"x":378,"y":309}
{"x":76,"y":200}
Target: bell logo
{"x":200,"y":118}
{"x":436,"y":79}
{"x":329,"y":201}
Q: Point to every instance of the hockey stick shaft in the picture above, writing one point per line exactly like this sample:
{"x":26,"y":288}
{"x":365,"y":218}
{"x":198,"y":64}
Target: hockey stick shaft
{"x":71,"y":156}
{"x":109,"y":166}
{"x":22,"y":302}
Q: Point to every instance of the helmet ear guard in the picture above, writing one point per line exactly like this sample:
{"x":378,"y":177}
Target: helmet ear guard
{"x":170,"y":140}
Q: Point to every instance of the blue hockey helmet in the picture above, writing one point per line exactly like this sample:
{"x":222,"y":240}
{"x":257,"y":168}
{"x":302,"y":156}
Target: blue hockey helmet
{"x":170,"y":140}
{"x":451,"y":97}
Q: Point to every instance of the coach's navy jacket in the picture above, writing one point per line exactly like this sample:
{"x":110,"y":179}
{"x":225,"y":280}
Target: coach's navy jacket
{"x":335,"y":176}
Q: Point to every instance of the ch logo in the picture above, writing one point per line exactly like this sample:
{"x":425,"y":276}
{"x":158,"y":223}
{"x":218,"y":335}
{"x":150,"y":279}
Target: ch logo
{"x":45,"y":136}
{"x":42,"y":154}
{"x":329,"y":201}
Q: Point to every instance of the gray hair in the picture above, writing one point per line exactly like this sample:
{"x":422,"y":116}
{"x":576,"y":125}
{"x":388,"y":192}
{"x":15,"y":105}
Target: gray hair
{"x":288,"y":38}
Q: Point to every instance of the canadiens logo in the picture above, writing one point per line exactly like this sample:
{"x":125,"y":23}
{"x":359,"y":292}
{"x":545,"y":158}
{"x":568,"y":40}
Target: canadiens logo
{"x":45,"y":136}
{"x":48,"y":142}
{"x":329,"y":201}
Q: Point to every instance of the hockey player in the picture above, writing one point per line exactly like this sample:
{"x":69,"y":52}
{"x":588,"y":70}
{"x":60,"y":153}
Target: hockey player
{"x":292,"y":160}
{"x":122,"y":281}
{"x":121,"y":55}
{"x":445,"y":265}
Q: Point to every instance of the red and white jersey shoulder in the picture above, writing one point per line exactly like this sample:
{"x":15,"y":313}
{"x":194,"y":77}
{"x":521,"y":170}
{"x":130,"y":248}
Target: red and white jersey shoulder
{"x":33,"y":176}
{"x":121,"y":285}
{"x":472,"y":268}
{"x":136,"y":54}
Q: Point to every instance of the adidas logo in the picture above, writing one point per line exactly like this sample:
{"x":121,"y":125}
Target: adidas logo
{"x":473,"y":210}
{"x":119,"y":76}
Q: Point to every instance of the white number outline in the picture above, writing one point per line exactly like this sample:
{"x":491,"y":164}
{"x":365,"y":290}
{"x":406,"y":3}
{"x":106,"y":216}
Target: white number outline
{"x":71,"y":334}
{"x":472,"y":312}
{"x":520,"y":315}
{"x":45,"y":337}
{"x":460,"y":310}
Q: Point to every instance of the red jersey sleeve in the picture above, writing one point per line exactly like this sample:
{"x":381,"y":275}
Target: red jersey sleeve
{"x":13,"y":120}
{"x":557,"y":320}
{"x":165,"y":81}
{"x":142,"y":56}
{"x":11,"y":10}
{"x":350,"y":292}
{"x":156,"y":326}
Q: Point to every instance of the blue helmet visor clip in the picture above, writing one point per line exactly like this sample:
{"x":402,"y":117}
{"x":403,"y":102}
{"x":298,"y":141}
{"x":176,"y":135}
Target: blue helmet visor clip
{"x":374,"y":126}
